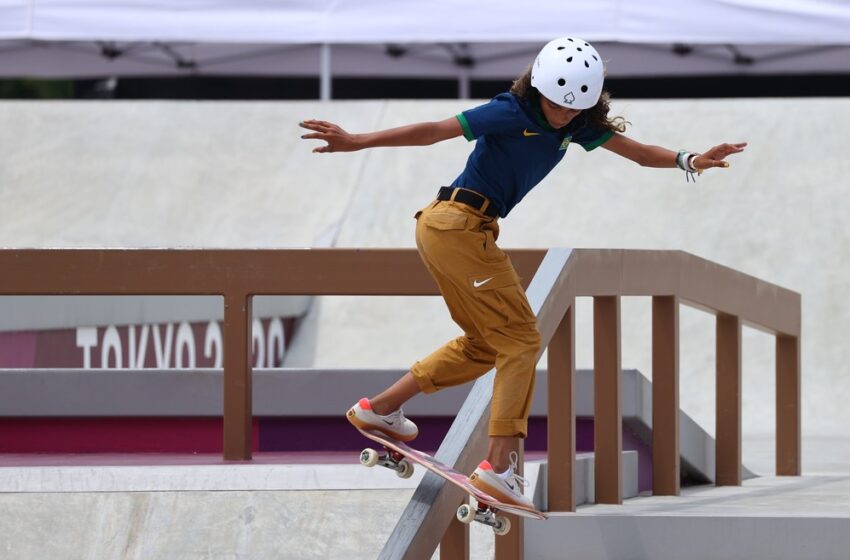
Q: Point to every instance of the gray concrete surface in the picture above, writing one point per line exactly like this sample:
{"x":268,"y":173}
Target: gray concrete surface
{"x":237,"y":175}
{"x":771,"y":518}
{"x":164,"y":174}
{"x":201,"y":512}
{"x":197,"y":525}
{"x":300,"y":511}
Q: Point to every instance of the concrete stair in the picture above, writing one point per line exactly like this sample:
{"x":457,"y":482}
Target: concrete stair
{"x":537,"y":472}
{"x":767,"y":518}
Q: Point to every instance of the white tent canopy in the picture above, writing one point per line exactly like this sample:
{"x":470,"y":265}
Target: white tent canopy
{"x":98,"y":37}
{"x":798,"y":22}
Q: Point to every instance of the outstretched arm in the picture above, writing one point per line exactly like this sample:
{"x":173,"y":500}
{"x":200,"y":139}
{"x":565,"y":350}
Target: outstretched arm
{"x":419,"y":134}
{"x":656,"y":156}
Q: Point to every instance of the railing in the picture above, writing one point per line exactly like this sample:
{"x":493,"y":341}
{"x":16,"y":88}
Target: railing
{"x":237,"y":276}
{"x":669,"y":277}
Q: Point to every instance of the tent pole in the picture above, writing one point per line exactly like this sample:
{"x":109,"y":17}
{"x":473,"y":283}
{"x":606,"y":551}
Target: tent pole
{"x":325,"y":73}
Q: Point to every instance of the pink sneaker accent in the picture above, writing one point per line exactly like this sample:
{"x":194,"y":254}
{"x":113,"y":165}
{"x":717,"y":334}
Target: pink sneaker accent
{"x":394,"y":424}
{"x":507,"y":489}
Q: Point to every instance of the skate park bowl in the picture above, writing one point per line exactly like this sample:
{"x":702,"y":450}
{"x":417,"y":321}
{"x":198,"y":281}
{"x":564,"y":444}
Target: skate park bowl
{"x":234,"y":175}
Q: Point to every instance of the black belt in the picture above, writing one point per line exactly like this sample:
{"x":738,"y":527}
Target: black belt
{"x":470,"y":198}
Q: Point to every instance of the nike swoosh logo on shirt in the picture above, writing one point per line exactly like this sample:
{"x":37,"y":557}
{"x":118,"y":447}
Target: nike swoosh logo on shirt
{"x":478,"y":284}
{"x":526,"y":133}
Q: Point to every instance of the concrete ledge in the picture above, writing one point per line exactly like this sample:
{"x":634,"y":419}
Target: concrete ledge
{"x":280,"y":393}
{"x":770,"y":518}
{"x":585,"y":484}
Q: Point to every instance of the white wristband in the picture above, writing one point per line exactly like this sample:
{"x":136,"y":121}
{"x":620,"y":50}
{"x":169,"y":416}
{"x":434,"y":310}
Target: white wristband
{"x":689,"y":161}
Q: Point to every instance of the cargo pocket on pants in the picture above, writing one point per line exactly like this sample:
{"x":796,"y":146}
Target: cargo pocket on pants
{"x":501,"y":298}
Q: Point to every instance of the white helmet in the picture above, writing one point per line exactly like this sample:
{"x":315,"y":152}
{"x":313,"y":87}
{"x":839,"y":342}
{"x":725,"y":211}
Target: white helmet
{"x":568,"y":71}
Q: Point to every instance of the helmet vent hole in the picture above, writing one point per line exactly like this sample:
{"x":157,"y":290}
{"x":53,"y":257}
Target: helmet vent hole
{"x":570,"y":40}
{"x":578,"y":49}
{"x":586,"y":45}
{"x":586,"y":65}
{"x":562,"y":82}
{"x":570,"y":59}
{"x":594,"y":58}
{"x":561,"y":48}
{"x":584,"y":89}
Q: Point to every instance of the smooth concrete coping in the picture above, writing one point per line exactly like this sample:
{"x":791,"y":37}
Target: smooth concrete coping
{"x":203,"y":478}
{"x":273,"y":477}
{"x":277,"y":392}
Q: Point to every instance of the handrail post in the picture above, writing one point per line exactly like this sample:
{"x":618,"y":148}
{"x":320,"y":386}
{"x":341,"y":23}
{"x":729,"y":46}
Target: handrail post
{"x":665,"y":395}
{"x":607,"y":412}
{"x":237,"y":376}
{"x":455,"y":543}
{"x":728,"y":471}
{"x":512,"y":545}
{"x":561,"y":418}
{"x":788,"y":453}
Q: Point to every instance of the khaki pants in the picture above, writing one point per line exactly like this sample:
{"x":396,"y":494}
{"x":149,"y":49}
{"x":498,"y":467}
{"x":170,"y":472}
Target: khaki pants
{"x":484,"y":296}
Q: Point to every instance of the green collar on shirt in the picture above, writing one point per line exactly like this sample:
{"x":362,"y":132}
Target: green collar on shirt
{"x":541,"y":119}
{"x":544,"y":124}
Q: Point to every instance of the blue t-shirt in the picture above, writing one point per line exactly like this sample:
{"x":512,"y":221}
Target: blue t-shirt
{"x":516,"y":148}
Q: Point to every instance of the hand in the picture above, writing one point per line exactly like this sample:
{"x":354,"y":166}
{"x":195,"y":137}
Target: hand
{"x":715,"y":156}
{"x":337,"y":139}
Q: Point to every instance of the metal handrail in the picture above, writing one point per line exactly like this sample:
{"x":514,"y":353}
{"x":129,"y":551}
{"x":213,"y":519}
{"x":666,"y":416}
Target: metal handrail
{"x":670,"y":278}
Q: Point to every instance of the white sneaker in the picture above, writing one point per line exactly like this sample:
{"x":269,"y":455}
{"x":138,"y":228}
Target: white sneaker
{"x":506,"y":487}
{"x":394,"y":424}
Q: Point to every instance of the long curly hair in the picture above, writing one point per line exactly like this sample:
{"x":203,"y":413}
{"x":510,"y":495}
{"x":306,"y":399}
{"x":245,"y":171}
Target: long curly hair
{"x":597,"y":116}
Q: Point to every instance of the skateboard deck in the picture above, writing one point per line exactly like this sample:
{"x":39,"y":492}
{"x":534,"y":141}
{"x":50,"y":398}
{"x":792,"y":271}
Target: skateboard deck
{"x":485,"y":514}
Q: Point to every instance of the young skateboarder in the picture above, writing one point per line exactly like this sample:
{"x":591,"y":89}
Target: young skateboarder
{"x":520,"y":137}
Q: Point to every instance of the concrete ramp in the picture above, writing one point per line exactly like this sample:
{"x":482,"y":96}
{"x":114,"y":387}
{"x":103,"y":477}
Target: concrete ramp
{"x":165,"y":174}
{"x":237,"y":174}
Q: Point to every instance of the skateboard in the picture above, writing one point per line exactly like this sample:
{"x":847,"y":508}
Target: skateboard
{"x":397,"y":456}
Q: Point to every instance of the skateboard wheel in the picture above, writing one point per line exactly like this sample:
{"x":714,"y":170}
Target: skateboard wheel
{"x":502,"y":526}
{"x":368,"y":457}
{"x":465,"y":514}
{"x":405,"y":469}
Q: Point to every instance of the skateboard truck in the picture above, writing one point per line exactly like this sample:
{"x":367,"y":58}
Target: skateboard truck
{"x":390,"y":459}
{"x":400,"y":457}
{"x":486,"y":515}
